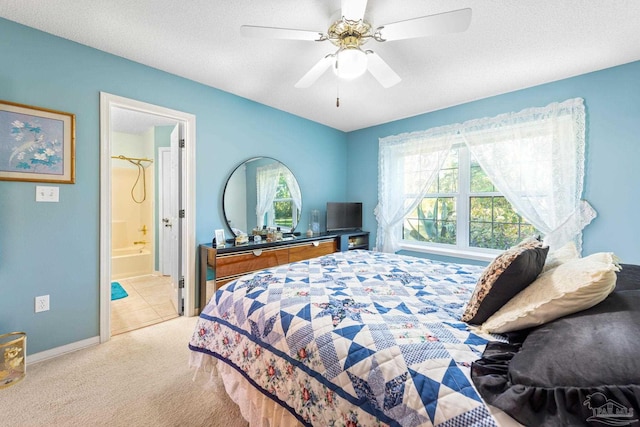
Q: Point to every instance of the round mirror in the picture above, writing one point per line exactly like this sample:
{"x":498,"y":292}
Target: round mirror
{"x":261,"y":192}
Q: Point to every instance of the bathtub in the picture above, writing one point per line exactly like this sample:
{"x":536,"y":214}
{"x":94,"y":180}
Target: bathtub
{"x":131,"y":261}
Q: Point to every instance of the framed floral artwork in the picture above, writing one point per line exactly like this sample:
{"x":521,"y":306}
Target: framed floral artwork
{"x":36,"y":144}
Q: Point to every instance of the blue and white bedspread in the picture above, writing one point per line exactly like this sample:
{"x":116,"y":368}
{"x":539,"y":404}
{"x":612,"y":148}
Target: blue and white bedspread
{"x":353,"y":339}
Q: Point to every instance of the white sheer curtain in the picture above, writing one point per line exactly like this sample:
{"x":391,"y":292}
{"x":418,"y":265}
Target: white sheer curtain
{"x":408,"y":164}
{"x":535,"y":158}
{"x":267,"y":178}
{"x":294,"y":191}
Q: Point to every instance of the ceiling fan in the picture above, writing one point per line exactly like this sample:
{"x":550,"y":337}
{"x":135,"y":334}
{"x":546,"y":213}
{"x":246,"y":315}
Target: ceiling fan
{"x":351,"y":31}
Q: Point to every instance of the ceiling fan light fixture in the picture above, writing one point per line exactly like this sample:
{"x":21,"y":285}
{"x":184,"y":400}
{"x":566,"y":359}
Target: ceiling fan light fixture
{"x":350,"y":63}
{"x":349,"y":32}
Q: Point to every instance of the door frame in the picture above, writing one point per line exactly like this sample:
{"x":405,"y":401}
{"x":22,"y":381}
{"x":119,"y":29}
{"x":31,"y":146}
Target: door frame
{"x":188,"y":246}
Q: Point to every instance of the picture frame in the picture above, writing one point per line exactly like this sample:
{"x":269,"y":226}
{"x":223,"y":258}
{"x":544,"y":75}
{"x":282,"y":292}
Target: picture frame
{"x":220,"y":239}
{"x":36,"y":144}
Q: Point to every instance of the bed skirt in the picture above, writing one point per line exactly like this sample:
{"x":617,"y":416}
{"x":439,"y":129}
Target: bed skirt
{"x":258,"y":409}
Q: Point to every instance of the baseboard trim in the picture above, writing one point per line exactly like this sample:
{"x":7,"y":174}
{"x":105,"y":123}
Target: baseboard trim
{"x":59,"y":351}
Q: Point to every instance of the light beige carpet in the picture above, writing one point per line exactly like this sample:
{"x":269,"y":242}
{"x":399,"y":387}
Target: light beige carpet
{"x":140,"y":378}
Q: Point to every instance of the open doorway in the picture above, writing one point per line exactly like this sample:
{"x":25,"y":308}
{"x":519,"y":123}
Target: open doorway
{"x":147,"y":170}
{"x":142,"y":292}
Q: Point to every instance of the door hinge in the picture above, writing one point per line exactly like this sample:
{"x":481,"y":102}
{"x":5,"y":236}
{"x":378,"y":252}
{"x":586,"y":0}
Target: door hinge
{"x":181,"y":213}
{"x":181,"y":143}
{"x":181,"y":283}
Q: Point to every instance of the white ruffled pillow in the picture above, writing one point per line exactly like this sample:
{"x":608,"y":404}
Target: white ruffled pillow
{"x":561,"y":255}
{"x":572,"y":286}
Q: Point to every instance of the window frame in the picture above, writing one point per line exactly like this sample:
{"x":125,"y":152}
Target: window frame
{"x":295,"y":214}
{"x":553,"y":135}
{"x":462,"y":202}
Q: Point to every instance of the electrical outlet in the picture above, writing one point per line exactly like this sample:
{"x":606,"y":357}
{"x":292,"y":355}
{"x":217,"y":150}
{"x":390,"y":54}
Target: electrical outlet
{"x":42,"y":303}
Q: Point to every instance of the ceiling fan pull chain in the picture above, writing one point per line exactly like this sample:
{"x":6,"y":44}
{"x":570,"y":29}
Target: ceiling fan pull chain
{"x":338,"y":94}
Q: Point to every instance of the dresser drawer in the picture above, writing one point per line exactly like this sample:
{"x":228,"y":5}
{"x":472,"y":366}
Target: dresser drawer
{"x":312,"y":250}
{"x":245,"y":262}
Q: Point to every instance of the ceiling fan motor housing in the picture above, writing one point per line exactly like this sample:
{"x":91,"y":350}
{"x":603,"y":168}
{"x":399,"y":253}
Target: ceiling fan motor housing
{"x":348,"y":34}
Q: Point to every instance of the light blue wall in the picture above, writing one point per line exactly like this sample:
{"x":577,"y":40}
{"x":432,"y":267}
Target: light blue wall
{"x":53,"y":248}
{"x":612,"y":100}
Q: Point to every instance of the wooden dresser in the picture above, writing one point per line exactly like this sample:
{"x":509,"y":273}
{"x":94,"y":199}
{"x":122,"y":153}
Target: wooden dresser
{"x":231,"y":262}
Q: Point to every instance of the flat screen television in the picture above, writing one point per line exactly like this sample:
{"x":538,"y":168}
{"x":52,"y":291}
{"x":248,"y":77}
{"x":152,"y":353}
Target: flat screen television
{"x":343,"y":216}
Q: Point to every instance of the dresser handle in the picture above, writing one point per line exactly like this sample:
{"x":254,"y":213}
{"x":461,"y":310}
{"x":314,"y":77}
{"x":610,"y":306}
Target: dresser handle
{"x":316,"y":244}
{"x":257,"y":252}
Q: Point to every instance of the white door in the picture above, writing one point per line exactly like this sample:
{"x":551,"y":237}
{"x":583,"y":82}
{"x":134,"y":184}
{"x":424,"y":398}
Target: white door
{"x":166,"y":200}
{"x":170,"y":223}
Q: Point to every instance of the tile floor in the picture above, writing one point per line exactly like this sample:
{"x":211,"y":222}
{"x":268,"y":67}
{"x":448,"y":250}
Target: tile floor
{"x":150,"y":301}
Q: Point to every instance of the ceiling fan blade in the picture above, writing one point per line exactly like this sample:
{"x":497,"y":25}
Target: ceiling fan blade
{"x":448,"y":22}
{"x":315,"y":72}
{"x":279,"y":33}
{"x":381,"y":70}
{"x":353,"y":9}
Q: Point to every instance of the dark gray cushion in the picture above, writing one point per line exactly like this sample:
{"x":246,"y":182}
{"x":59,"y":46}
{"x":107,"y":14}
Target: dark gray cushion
{"x":567,"y":370}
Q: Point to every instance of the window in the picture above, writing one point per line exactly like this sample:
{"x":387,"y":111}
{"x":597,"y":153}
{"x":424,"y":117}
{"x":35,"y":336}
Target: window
{"x":278,"y":197}
{"x":434,"y":219}
{"x":463,"y":209}
{"x":284,"y":207}
{"x":493,"y":223}
{"x":431,"y":191}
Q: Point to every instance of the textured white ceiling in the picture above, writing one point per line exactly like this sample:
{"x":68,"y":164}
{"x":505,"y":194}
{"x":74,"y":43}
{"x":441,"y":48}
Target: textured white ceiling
{"x":510,"y":44}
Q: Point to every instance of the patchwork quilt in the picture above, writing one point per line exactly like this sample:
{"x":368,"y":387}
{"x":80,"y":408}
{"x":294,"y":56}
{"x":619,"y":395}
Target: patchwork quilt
{"x":353,"y":339}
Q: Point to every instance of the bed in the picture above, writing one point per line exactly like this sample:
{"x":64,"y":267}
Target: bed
{"x":356,"y":338}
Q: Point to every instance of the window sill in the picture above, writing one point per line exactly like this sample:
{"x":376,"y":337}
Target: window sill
{"x":449,"y":252}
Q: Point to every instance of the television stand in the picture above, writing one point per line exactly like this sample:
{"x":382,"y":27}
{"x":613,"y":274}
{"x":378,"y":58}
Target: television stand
{"x":352,"y":239}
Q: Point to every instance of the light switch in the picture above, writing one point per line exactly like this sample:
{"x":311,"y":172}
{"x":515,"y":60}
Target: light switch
{"x":47,"y":193}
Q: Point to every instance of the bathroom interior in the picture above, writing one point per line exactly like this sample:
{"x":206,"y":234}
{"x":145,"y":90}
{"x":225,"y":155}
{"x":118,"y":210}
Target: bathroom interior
{"x":148,"y":294}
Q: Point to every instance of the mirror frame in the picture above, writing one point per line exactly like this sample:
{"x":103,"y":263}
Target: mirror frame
{"x":226,"y":187}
